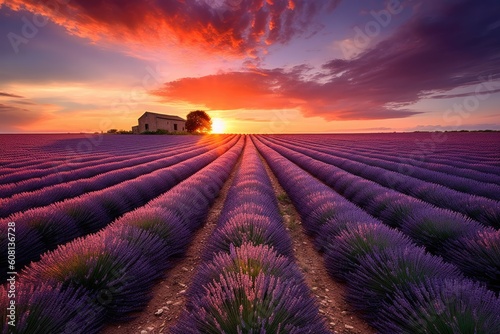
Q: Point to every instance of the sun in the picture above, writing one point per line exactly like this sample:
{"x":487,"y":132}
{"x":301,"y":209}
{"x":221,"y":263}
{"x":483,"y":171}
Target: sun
{"x":218,"y":125}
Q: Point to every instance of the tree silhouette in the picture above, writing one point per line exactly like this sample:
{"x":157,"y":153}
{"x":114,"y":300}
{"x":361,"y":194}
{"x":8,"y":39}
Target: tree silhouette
{"x":198,"y":121}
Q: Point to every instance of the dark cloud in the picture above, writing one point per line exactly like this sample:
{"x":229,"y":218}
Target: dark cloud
{"x":11,"y":95}
{"x":454,"y":45}
{"x":473,"y":93}
{"x":23,"y":102}
{"x":241,"y":27}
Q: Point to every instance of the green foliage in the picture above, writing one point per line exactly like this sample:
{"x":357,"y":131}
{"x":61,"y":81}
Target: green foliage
{"x":118,"y":132}
{"x":157,"y":132}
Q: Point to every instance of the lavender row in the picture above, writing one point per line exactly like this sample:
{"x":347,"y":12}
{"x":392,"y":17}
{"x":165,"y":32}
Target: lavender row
{"x":425,"y":157}
{"x":484,"y":210}
{"x":394,"y":284}
{"x":251,"y":198}
{"x":422,"y":157}
{"x":59,"y":192}
{"x":43,"y":229}
{"x":249,"y":282}
{"x":65,"y":166}
{"x":98,"y":167}
{"x":22,"y":151}
{"x":458,"y":239}
{"x":67,"y":161}
{"x":106,"y":276}
{"x":407,"y":177}
{"x":81,"y":183}
{"x":467,"y":148}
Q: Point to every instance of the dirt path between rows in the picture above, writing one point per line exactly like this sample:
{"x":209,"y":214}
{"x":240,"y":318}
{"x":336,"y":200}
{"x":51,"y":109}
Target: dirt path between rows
{"x":337,"y":313}
{"x":168,"y":299}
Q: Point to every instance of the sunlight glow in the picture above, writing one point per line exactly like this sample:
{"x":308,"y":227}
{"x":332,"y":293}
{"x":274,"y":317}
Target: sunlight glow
{"x":218,"y":125}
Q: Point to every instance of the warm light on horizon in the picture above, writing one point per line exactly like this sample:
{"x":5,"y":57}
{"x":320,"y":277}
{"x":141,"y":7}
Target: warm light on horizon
{"x":218,"y":125}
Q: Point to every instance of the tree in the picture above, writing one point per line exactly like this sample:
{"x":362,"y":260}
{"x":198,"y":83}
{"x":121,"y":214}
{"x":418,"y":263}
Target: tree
{"x":198,"y":121}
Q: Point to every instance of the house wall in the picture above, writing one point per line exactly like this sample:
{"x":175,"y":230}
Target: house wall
{"x":148,"y":119}
{"x":157,"y":123}
{"x":181,"y":126}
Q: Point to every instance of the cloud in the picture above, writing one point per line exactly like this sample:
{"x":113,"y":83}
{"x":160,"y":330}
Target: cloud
{"x":270,"y":89}
{"x":231,"y":90}
{"x":2,"y":94}
{"x":238,"y":27}
{"x":473,"y":93}
{"x":454,"y":45}
{"x":24,"y":102}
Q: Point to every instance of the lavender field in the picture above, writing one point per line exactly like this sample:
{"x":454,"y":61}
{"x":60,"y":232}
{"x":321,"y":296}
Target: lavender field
{"x":408,"y":223}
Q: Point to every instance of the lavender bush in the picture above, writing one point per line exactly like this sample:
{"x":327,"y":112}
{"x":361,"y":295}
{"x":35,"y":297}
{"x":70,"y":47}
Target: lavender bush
{"x":441,"y":306}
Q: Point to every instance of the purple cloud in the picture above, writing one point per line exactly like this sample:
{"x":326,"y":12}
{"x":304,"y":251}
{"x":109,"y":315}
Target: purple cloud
{"x":454,"y":45}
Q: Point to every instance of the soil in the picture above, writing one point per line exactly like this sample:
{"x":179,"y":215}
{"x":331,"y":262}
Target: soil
{"x":169,"y":300}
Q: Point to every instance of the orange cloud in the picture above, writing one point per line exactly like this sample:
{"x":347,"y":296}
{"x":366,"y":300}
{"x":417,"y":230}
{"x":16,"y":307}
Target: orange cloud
{"x":238,"y":27}
{"x":234,"y":90}
{"x":266,"y":89}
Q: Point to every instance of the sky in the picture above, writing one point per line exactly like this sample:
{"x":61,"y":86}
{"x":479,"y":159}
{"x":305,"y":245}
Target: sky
{"x":256,"y":66}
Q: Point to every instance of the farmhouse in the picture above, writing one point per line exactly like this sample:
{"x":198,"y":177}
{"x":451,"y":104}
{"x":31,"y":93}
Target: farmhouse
{"x":151,"y":121}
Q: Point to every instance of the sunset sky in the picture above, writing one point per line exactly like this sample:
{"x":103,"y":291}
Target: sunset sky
{"x":260,"y":66}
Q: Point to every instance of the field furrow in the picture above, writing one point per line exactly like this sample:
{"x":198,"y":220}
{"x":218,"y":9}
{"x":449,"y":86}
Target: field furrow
{"x":53,"y":176}
{"x":387,"y":165}
{"x":382,"y":267}
{"x":440,"y":231}
{"x":106,"y":276}
{"x":43,"y":229}
{"x":348,"y":234}
{"x":484,"y":210}
{"x":430,"y":152}
{"x":72,"y":158}
{"x":64,"y":191}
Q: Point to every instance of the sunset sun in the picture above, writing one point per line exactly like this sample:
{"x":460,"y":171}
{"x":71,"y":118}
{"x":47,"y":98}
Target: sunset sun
{"x":218,"y":125}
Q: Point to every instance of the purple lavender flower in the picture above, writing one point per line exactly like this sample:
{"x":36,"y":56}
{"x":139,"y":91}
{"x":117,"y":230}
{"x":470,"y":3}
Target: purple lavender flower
{"x":347,"y":249}
{"x":380,"y":274}
{"x":257,"y":229}
{"x":478,"y":256}
{"x":240,"y":303}
{"x":441,"y":306}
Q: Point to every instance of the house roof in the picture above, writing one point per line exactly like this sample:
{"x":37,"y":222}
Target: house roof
{"x":163,"y":116}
